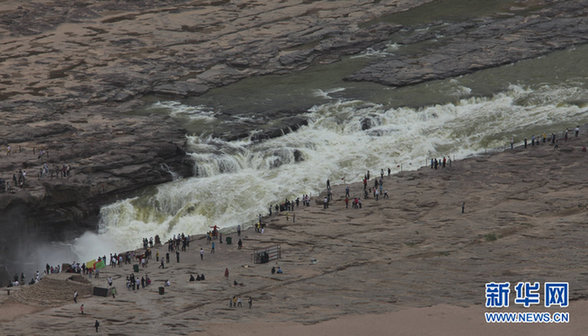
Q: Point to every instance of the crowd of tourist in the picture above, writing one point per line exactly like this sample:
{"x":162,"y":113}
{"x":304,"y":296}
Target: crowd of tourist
{"x":40,"y":157}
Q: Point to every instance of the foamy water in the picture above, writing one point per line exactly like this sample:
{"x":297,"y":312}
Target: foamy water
{"x":235,"y":181}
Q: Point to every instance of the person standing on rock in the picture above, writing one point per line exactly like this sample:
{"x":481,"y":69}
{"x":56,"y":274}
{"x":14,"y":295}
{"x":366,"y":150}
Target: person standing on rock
{"x":178,"y":255}
{"x":96,"y":325}
{"x":82,"y":309}
{"x":250,"y":302}
{"x":201,"y":254}
{"x":239,"y":228}
{"x":76,"y":297}
{"x":212,"y":248}
{"x":577,"y":130}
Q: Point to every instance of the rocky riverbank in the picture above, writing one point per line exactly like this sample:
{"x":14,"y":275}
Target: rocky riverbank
{"x":73,"y":76}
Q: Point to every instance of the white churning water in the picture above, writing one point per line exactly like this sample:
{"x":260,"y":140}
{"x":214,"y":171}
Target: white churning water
{"x":237,"y":180}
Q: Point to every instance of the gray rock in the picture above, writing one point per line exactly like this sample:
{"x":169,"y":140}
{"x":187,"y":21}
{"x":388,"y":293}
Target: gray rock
{"x":181,"y":88}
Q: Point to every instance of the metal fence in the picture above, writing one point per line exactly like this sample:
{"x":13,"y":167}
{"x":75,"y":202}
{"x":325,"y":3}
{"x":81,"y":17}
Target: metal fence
{"x":263,"y":256}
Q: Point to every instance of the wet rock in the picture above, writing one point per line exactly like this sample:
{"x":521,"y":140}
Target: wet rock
{"x":181,"y":88}
{"x":297,"y":56}
{"x":298,"y":156}
{"x":366,"y":124}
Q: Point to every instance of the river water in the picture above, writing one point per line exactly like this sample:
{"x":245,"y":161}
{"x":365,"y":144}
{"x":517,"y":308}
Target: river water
{"x":237,"y":180}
